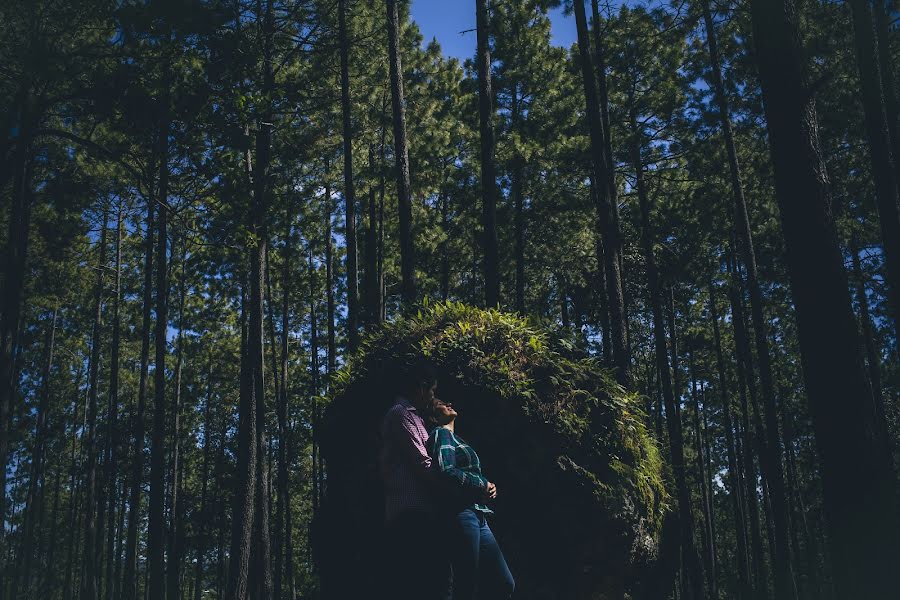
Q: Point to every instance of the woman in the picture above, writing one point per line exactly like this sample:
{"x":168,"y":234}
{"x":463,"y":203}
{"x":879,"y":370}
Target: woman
{"x":475,"y":555}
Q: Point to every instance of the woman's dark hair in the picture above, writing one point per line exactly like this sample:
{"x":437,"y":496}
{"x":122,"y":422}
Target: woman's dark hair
{"x":429,"y":416}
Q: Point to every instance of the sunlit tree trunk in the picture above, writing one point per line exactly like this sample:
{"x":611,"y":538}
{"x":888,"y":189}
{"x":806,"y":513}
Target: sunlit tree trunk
{"x":349,"y":192}
{"x":316,"y":389}
{"x":518,"y":200}
{"x":709,"y":541}
{"x":176,"y":508}
{"x":130,"y":579}
{"x":89,"y":587}
{"x":372,"y":280}
{"x":72,"y":537}
{"x":237,"y":586}
{"x":488,"y":169}
{"x":156,"y":525}
{"x":607,"y":218}
{"x":113,"y":438}
{"x":401,"y":157}
{"x":329,"y":286}
{"x":734,"y":480}
{"x":202,"y":516}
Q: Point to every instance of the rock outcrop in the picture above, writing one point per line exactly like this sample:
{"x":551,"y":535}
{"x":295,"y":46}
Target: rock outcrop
{"x":582,"y":492}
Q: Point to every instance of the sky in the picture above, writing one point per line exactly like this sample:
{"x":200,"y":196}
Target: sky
{"x":444,"y":19}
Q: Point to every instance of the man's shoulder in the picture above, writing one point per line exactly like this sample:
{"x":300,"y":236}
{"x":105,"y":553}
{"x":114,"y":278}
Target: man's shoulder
{"x":396,"y":410}
{"x":399,"y":413}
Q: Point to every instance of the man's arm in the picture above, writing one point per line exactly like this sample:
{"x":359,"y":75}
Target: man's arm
{"x":404,"y":433}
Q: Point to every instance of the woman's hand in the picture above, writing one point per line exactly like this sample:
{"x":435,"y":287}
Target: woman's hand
{"x":491,"y":491}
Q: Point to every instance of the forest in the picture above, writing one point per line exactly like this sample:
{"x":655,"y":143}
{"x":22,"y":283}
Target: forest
{"x":207,"y":207}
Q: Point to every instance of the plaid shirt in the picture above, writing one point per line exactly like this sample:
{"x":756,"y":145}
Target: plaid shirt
{"x":458,"y":462}
{"x":405,"y":462}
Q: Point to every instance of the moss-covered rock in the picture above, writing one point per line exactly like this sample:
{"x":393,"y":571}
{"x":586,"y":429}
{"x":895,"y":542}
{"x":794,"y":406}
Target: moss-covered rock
{"x":581,"y":482}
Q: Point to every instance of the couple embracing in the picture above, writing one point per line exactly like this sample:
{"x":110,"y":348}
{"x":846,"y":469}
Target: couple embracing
{"x":436,"y":502}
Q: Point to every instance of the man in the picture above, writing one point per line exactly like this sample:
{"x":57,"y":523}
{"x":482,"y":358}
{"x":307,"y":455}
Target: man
{"x":411,"y":487}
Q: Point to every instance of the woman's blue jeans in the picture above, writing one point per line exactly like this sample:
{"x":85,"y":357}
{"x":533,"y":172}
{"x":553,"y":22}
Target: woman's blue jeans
{"x":478,"y":563}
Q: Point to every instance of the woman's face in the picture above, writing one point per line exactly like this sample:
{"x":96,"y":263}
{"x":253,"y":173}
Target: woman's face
{"x":443,"y":412}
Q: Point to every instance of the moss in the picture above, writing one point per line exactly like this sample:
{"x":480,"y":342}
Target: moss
{"x":554,"y":429}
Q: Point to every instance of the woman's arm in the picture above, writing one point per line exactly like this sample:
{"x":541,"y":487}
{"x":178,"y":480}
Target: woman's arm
{"x":443,"y":452}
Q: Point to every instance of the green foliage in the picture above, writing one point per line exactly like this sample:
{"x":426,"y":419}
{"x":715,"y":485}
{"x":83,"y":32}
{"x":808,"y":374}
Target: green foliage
{"x":592,"y":431}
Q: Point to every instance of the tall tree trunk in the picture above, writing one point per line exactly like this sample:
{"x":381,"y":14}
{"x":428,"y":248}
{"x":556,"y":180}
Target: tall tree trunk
{"x":519,"y":208}
{"x":488,"y":170}
{"x":873,"y":357}
{"x":329,"y":285}
{"x":754,"y":439}
{"x":884,"y":174}
{"x":46,"y":534}
{"x":607,"y":217}
{"x":11,"y":308}
{"x":250,"y":535}
{"x":349,"y":193}
{"x":784,"y":579}
{"x":156,"y":524}
{"x":709,"y":542}
{"x":176,"y":527}
{"x":734,"y":482}
{"x":708,"y":465}
{"x":219,"y":505}
{"x":277,"y":528}
{"x":382,"y":186}
{"x":245,"y":473}
{"x":36,"y":475}
{"x":285,"y":455}
{"x":693,"y":572}
{"x":270,"y":320}
{"x":262,"y":551}
{"x":815,"y":587}
{"x":202,"y":516}
{"x":314,"y":368}
{"x":888,"y":84}
{"x":49,"y":578}
{"x":72,"y":537}
{"x":130,"y":575}
{"x":120,"y":541}
{"x":518,"y":199}
{"x":283,"y":545}
{"x":112,"y":427}
{"x":444,"y":202}
{"x":603,"y":89}
{"x":858,"y":478}
{"x":401,"y":158}
{"x":372,"y":280}
{"x":89,"y":588}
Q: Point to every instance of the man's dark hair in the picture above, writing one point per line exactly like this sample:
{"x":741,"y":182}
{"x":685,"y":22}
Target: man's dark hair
{"x":421,"y":373}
